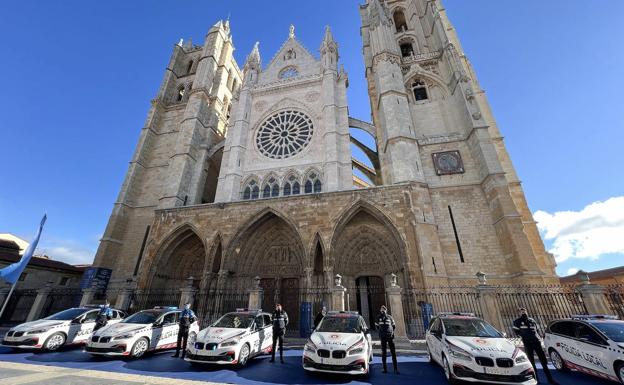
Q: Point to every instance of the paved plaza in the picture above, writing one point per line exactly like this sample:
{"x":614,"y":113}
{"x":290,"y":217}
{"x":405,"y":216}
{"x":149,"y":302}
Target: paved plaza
{"x":74,"y":367}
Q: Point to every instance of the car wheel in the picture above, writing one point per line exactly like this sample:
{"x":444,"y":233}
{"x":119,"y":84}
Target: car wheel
{"x":557,"y":361}
{"x":243,"y":356}
{"x":448,"y":373}
{"x":139,"y":348}
{"x":54,"y":342}
{"x":619,"y":371}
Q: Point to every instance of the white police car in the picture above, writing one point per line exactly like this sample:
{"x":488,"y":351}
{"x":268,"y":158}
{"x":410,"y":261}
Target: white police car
{"x":71,"y":326}
{"x":341,"y":343}
{"x":147,"y":330}
{"x":233,"y":339}
{"x":469,"y":349}
{"x":590,"y":344}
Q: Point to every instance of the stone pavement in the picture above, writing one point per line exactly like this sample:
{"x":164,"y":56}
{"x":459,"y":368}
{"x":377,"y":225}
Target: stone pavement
{"x":17,"y":373}
{"x":74,"y":367}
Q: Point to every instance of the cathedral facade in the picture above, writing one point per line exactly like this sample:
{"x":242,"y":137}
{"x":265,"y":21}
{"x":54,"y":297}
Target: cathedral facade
{"x":248,"y":172}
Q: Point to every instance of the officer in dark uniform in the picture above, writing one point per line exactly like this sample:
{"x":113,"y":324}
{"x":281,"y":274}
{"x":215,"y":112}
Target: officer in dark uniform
{"x":280,"y":320}
{"x":526,"y":328}
{"x":385,"y":324}
{"x":187,"y":317}
{"x":103,"y":316}
{"x":319,"y":317}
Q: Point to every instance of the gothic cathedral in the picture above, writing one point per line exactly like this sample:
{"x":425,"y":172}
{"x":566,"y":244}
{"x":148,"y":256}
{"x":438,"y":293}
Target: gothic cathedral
{"x":247,"y":172}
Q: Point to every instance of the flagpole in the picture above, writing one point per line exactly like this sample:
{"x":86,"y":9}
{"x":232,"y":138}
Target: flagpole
{"x":6,"y":301}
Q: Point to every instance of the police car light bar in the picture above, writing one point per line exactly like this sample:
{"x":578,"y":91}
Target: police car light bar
{"x":165,"y":308}
{"x":343,"y":312}
{"x":446,"y":314}
{"x":594,"y":316}
{"x":244,"y":309}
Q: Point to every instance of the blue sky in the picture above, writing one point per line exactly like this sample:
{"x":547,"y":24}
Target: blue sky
{"x":78,"y":77}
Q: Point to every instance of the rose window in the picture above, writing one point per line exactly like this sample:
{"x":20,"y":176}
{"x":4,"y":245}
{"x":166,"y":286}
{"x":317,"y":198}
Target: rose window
{"x":284,"y":134}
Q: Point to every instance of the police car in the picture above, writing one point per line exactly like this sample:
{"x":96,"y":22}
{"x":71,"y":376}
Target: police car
{"x":147,"y":330}
{"x":233,"y":339}
{"x":590,"y":344}
{"x":71,"y":326}
{"x":469,"y":349}
{"x":341,"y":343}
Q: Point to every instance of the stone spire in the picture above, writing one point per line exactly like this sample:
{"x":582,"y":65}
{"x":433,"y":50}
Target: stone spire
{"x":254,"y":56}
{"x":329,"y":50}
{"x":291,"y":32}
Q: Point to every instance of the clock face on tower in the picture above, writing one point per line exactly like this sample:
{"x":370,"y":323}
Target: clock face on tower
{"x":448,"y":162}
{"x":284,"y":134}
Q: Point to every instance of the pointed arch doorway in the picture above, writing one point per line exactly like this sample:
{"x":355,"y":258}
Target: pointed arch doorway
{"x":370,"y":294}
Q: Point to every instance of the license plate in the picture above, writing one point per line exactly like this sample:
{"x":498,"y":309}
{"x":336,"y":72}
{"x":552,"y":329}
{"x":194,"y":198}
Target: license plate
{"x":495,"y":371}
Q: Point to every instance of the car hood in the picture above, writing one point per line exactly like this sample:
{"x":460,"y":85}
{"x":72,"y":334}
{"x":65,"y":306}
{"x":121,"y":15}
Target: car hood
{"x":215,"y":334}
{"x":494,"y":347}
{"x":335,"y":341}
{"x":39,"y":324}
{"x":116,"y":329}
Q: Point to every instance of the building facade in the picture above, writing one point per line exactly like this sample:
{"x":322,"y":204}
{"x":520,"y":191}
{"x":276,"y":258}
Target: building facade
{"x":247,"y":172}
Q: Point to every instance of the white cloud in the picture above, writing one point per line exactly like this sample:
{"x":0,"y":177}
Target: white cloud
{"x":573,"y":270}
{"x":595,"y":230}
{"x":67,"y":251}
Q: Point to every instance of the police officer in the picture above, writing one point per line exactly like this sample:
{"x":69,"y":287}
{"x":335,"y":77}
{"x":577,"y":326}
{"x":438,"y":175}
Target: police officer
{"x":280,"y":320}
{"x":526,"y":328}
{"x":385,"y":324}
{"x":103,"y":316}
{"x":319,"y":317}
{"x":187,"y":317}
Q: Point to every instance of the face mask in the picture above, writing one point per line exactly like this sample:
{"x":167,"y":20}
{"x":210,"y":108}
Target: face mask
{"x":524,"y":316}
{"x":187,"y":307}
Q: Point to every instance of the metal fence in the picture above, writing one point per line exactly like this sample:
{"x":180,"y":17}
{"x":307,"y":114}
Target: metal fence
{"x":18,"y":307}
{"x":212,"y":304}
{"x":61,"y":299}
{"x":543,"y":303}
{"x":419,"y":305}
{"x":148,"y":299}
{"x":614,"y":296}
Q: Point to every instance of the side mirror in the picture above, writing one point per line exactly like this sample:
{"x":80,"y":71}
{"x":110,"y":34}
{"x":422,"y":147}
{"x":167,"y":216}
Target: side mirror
{"x":505,"y":334}
{"x":367,"y":331}
{"x":157,"y":324}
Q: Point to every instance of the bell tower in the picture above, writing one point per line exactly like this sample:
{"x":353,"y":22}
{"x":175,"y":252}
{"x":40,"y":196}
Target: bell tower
{"x":434,"y":126}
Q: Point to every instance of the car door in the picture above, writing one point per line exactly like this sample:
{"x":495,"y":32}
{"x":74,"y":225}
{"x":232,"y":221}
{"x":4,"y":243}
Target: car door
{"x":257,"y":335}
{"x":268,"y":332}
{"x":560,"y":337}
{"x":85,"y":328}
{"x":170,"y":329}
{"x":592,"y":348}
{"x":367,"y":335}
{"x":434,"y":340}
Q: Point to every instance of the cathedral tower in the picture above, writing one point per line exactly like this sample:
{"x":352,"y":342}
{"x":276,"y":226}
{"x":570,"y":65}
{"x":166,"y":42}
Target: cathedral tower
{"x":434,"y":126}
{"x":177,"y":159}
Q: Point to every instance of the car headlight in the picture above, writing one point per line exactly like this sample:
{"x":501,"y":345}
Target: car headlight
{"x":521,"y":358}
{"x":310,"y":347}
{"x":38,"y":331}
{"x":233,"y":342}
{"x":459,"y":353}
{"x":124,"y":336}
{"x":356,"y":348}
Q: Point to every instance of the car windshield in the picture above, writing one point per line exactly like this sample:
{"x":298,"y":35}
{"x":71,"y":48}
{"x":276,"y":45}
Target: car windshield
{"x":67,"y":315}
{"x":470,"y":327}
{"x":142,"y":317}
{"x":339,"y":325}
{"x":613,"y":330}
{"x":235,"y":321}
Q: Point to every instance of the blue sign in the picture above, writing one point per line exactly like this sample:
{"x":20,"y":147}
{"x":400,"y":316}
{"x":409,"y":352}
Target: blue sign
{"x":97,"y":278}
